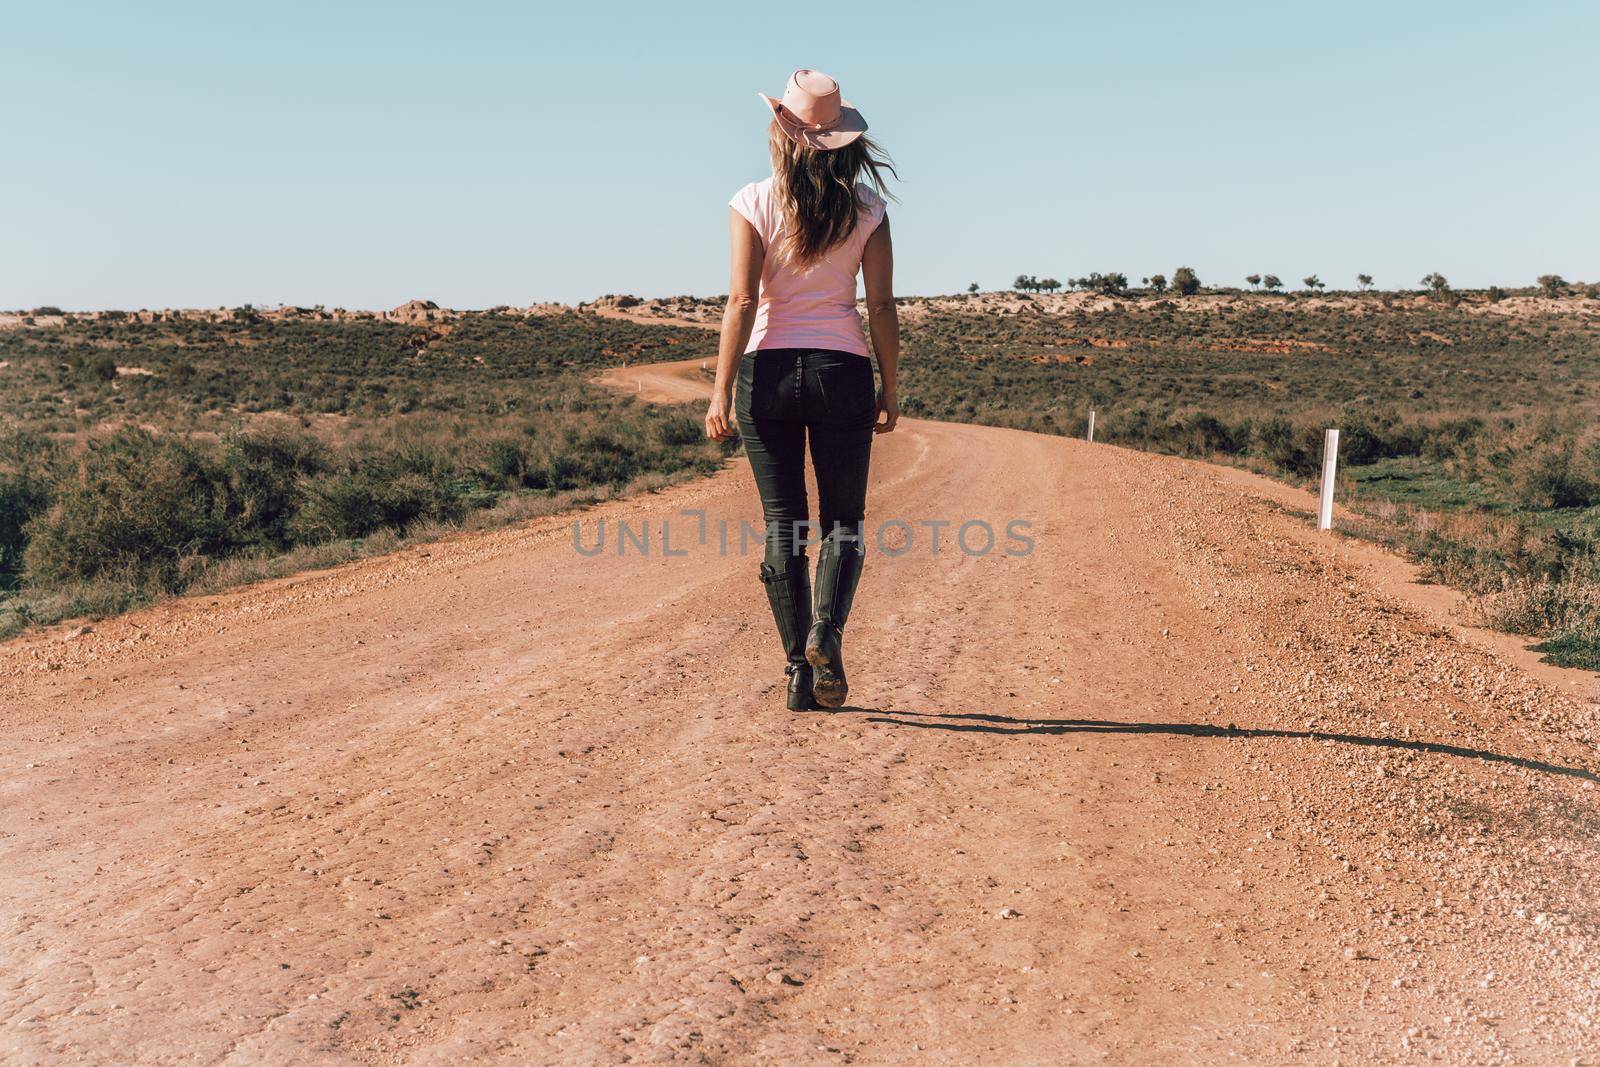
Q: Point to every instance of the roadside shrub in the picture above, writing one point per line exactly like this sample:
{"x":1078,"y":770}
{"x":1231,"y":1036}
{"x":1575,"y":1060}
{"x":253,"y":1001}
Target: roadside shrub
{"x":505,"y":461}
{"x":360,"y":501}
{"x":21,"y":498}
{"x":1287,"y":447}
{"x":1548,"y":474}
{"x":132,"y":505}
{"x":26,"y":471}
{"x":1577,"y":646}
{"x":591,"y":457}
{"x":1202,"y":434}
{"x":1450,"y":438}
{"x":1365,"y":437}
{"x":264,"y":471}
{"x":676,"y":431}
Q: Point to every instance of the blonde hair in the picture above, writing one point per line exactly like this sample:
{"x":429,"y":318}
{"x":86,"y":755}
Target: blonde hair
{"x":816,"y":191}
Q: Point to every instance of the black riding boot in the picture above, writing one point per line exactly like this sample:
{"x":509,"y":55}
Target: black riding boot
{"x":788,"y":583}
{"x":838,"y":570}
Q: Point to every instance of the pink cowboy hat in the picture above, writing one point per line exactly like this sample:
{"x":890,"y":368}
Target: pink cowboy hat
{"x":813,"y":114}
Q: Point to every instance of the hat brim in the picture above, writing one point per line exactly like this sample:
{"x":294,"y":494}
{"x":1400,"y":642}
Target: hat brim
{"x":849,"y":127}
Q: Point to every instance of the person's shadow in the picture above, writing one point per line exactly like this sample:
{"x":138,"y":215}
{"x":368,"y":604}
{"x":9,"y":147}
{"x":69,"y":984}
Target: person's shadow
{"x":1005,"y":726}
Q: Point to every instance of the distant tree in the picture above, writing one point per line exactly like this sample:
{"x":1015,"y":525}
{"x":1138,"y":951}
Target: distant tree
{"x":47,"y":309}
{"x":1022,"y":282}
{"x":1157,"y":282}
{"x":1436,"y":282}
{"x":973,"y":288}
{"x":1552,"y":284}
{"x":1312,"y":282}
{"x":1254,"y":280}
{"x":1272,"y":281}
{"x":1049,"y":285}
{"x":1111,"y":284}
{"x":1364,"y":281}
{"x":1496,"y":294}
{"x":1186,"y":281}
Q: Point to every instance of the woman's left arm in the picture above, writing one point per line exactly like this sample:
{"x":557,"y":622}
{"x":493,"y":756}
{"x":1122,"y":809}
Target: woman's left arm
{"x":738,"y":319}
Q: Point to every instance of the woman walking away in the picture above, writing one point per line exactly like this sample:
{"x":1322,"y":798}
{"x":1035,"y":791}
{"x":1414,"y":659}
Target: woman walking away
{"x":803,"y":367}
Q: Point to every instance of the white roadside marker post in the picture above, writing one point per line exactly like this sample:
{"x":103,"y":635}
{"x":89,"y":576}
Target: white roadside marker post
{"x":1091,"y":427}
{"x":1330,"y":460}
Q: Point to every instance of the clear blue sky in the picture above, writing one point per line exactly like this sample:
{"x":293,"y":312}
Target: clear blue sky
{"x":358,"y":155}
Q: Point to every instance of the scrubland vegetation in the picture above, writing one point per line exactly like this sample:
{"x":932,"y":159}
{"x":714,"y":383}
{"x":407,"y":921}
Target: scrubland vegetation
{"x":1468,"y":435}
{"x":139,"y":459}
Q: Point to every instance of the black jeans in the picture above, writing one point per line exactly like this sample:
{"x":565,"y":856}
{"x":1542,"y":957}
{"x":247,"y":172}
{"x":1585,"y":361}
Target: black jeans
{"x":784,"y":395}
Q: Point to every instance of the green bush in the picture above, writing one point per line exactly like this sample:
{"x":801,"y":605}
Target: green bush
{"x":1548,"y":474}
{"x":676,"y":431}
{"x":264,"y":471}
{"x":1202,"y":434}
{"x":1287,"y":447}
{"x":505,"y":461}
{"x":1576,"y":647}
{"x":132,"y":505}
{"x":360,"y":501}
{"x":21,"y":498}
{"x":1366,"y":437}
{"x":1450,"y":438}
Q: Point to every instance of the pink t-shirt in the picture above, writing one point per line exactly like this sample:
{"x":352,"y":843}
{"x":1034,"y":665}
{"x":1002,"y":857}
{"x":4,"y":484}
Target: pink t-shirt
{"x":815,"y":308}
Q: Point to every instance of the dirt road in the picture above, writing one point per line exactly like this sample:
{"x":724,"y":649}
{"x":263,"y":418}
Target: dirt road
{"x":1182,"y":784}
{"x":662,"y":383}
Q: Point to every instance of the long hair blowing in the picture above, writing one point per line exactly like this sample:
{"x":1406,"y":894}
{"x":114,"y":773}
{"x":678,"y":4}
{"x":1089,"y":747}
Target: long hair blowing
{"x":816,"y":191}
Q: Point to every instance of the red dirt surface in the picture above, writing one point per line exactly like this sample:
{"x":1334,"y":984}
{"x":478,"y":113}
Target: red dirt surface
{"x":1187,"y":783}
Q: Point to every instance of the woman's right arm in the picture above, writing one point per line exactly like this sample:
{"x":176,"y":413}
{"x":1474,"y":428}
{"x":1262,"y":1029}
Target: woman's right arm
{"x":883,"y":321}
{"x":738,"y":319}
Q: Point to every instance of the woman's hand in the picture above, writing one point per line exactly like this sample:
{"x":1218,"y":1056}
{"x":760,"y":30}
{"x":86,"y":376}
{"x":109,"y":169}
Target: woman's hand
{"x":888,"y":411}
{"x":718,"y":425}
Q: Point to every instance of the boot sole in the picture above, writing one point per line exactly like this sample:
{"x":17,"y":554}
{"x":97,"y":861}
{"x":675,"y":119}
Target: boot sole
{"x":827,"y":684}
